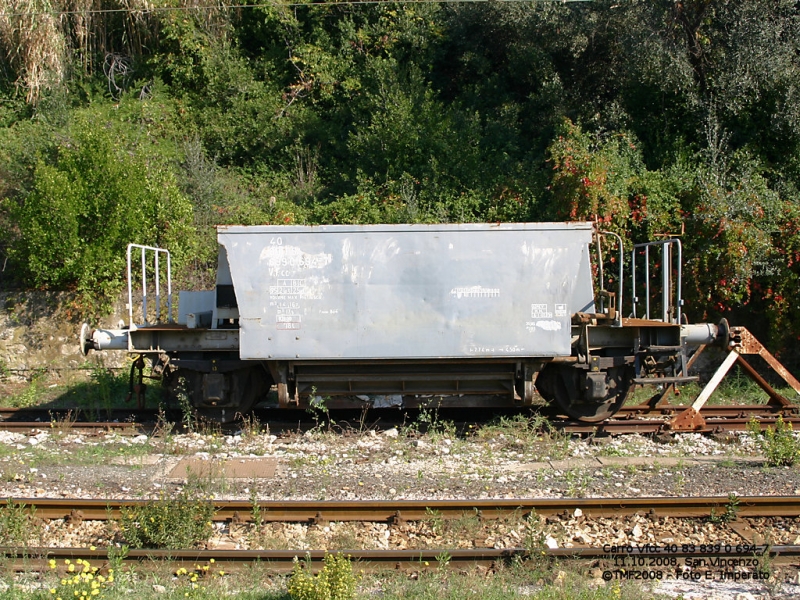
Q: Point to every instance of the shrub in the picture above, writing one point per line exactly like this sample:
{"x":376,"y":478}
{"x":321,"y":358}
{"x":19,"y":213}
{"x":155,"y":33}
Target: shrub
{"x":335,"y":581}
{"x":178,"y":522}
{"x":104,"y":186}
{"x":779,"y":444}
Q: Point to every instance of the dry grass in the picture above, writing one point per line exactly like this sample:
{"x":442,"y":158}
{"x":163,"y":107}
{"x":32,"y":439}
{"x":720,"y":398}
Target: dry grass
{"x":41,"y":38}
{"x":32,"y":39}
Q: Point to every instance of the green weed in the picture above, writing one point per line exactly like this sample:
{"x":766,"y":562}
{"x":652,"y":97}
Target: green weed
{"x":731,"y":511}
{"x":535,"y":538}
{"x":443,"y":560}
{"x":209,"y":480}
{"x":15,"y":523}
{"x":577,"y":482}
{"x":318,"y":408}
{"x":336,"y":580}
{"x":436,"y":520}
{"x":31,"y":395}
{"x":779,"y":444}
{"x":189,"y":418}
{"x":257,"y":531}
{"x":179,"y":522}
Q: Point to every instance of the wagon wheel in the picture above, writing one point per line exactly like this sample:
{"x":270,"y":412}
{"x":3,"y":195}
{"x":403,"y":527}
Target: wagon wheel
{"x":248,"y":387}
{"x":563,"y":386}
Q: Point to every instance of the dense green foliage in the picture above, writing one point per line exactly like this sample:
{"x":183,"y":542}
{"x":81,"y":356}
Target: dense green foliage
{"x":104,"y":184}
{"x":651,"y":116}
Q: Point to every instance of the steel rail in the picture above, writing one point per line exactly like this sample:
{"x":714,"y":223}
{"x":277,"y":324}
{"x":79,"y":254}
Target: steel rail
{"x":47,"y":414}
{"x":27,"y":559}
{"x":395,"y":511}
{"x":644,"y":425}
{"x":732,"y":410}
{"x":629,"y":411}
{"x":95,"y":426}
{"x":635,"y":419}
{"x":641,"y":425}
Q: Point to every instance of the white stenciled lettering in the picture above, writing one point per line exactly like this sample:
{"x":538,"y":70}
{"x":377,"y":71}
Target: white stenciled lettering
{"x":291,"y":257}
{"x":287,"y":318}
{"x":475,"y":291}
{"x":287,"y":288}
{"x":509,"y":349}
{"x":540,"y":311}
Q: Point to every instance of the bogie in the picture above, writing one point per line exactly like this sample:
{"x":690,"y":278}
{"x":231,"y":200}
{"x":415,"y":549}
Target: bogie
{"x":590,"y":396}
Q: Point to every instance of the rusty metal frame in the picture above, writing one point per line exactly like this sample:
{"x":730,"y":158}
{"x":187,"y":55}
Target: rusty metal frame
{"x":741,"y":343}
{"x":658,"y":398}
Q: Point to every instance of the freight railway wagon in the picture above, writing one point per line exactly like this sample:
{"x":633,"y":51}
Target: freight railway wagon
{"x":409,"y":315}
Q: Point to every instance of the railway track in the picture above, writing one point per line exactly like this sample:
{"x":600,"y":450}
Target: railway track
{"x":28,"y":559}
{"x":630,"y":419}
{"x":662,"y":560}
{"x":396,"y":511}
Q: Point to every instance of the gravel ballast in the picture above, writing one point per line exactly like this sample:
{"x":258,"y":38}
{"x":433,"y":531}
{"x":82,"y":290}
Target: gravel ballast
{"x":488,"y":462}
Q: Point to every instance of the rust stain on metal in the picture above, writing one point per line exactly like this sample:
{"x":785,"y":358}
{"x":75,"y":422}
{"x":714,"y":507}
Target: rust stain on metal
{"x":75,"y":517}
{"x":688,"y":420}
{"x":746,"y":343}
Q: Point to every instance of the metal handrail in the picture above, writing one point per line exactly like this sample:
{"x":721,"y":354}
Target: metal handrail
{"x":157,"y":273}
{"x":620,"y":275}
{"x":666,"y":278}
